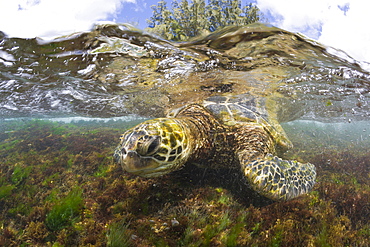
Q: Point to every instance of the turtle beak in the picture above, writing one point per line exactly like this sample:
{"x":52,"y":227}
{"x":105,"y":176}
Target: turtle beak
{"x":118,"y":153}
{"x":134,"y":163}
{"x":126,"y":159}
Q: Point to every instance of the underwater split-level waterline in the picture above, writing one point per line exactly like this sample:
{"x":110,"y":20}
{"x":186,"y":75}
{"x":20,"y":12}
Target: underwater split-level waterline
{"x":64,"y":104}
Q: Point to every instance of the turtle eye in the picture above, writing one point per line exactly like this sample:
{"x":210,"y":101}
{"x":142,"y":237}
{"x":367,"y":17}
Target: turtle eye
{"x":154,"y":145}
{"x":149,"y":146}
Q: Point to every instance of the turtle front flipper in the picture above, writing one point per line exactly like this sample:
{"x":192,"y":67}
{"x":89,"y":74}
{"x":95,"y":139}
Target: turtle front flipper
{"x":279,"y":179}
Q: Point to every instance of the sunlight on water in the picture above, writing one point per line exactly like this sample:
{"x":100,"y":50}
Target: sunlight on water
{"x":113,"y":71}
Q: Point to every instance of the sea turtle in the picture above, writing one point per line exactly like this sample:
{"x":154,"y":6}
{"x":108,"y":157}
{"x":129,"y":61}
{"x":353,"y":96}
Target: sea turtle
{"x":223,"y":131}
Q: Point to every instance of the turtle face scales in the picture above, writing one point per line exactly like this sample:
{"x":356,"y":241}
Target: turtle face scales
{"x":153,"y":148}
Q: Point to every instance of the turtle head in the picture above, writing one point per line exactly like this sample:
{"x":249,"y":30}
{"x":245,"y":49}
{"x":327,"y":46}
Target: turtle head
{"x":153,"y":148}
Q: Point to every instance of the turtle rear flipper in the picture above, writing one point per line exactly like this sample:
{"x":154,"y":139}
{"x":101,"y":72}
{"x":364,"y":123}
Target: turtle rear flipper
{"x":280,"y":179}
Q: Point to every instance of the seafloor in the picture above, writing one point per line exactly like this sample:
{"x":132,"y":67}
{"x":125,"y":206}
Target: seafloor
{"x":59,"y":186}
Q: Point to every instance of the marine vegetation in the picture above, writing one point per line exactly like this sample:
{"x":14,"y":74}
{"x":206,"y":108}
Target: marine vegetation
{"x":59,"y":186}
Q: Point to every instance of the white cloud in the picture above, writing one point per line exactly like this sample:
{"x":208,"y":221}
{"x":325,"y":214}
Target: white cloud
{"x":342,"y":24}
{"x":51,"y":18}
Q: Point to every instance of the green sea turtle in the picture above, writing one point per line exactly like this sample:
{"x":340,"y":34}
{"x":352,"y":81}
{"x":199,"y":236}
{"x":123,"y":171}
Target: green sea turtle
{"x":223,"y":131}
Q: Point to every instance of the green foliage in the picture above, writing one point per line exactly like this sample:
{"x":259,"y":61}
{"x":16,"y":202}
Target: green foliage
{"x":323,"y":237}
{"x":20,"y":173}
{"x":102,"y":171}
{"x":65,"y":211}
{"x":50,"y":179}
{"x":232,"y":236}
{"x":188,"y":19}
{"x":118,"y":234}
{"x":57,"y":244}
{"x":8,"y":145}
{"x":277,"y":238}
{"x":6,"y":190}
{"x":256,"y":229}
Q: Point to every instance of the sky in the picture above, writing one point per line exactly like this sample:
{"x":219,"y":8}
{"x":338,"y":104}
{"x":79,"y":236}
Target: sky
{"x":342,"y":24}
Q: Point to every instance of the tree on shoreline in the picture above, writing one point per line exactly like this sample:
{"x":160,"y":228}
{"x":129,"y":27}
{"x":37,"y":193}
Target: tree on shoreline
{"x":188,"y":19}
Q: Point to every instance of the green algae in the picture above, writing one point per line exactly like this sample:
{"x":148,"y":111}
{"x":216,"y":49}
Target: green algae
{"x":65,"y":211}
{"x":6,"y":190}
{"x":59,"y":186}
{"x":102,"y":171}
{"x":235,"y":231}
{"x":119,"y":235}
{"x":19,"y":174}
{"x":8,"y":145}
